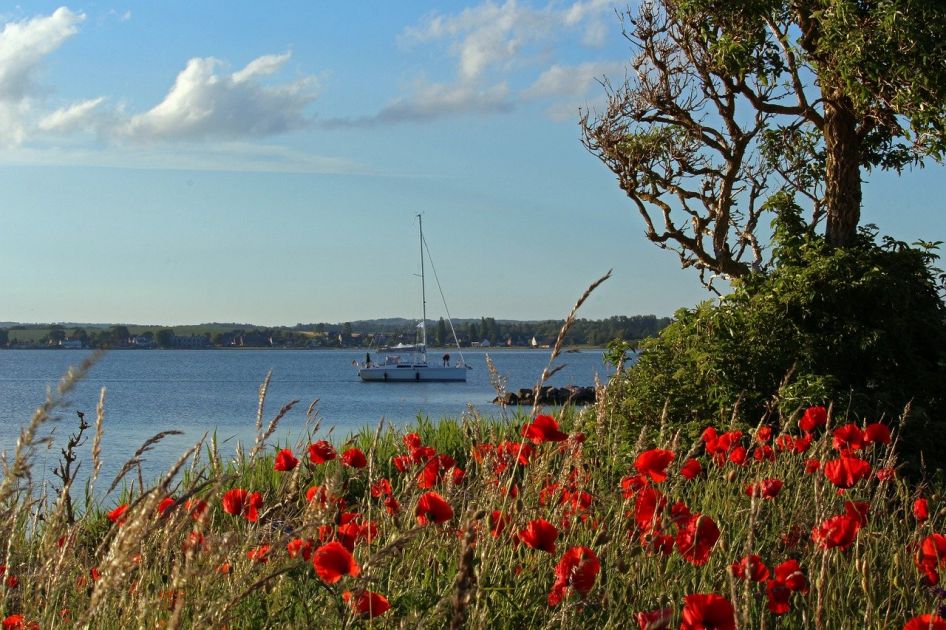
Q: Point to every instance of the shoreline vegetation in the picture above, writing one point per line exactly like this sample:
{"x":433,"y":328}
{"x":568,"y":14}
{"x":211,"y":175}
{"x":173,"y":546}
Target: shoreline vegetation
{"x":485,"y":332}
{"x":524,"y":520}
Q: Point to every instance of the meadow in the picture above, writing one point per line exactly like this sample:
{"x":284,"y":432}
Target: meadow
{"x":559,"y":520}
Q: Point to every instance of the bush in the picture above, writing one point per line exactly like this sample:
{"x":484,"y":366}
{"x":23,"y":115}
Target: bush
{"x":864,"y":326}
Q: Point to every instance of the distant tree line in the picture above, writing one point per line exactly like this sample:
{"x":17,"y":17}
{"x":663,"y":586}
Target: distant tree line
{"x":485,"y":331}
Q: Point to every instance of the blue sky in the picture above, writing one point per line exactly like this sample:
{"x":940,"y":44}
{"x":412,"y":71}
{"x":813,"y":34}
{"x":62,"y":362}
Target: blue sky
{"x":181,"y":162}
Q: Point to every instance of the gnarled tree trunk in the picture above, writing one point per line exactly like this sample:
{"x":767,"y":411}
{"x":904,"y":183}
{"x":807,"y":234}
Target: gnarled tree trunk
{"x":843,"y":176}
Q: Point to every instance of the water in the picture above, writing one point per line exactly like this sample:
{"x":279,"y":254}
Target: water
{"x":205,"y":391}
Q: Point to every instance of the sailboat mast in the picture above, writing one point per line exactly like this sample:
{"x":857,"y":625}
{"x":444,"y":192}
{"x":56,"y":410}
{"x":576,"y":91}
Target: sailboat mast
{"x":423,"y":288}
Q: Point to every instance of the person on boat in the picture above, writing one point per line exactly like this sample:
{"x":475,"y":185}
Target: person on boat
{"x":446,"y":360}
{"x":367,"y":359}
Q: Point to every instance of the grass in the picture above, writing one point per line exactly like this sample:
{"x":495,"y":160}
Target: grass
{"x":151,"y":568}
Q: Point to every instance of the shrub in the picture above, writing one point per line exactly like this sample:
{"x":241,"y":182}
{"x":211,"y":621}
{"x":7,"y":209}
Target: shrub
{"x":864,"y":326}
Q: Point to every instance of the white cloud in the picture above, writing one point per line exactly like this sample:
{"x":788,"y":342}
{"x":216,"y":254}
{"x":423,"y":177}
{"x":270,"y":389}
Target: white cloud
{"x":23,"y":47}
{"x":577,"y":80}
{"x":204,"y":103}
{"x":78,"y":117}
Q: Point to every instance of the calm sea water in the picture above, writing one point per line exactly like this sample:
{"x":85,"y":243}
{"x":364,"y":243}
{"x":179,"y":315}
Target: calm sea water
{"x":205,"y":391}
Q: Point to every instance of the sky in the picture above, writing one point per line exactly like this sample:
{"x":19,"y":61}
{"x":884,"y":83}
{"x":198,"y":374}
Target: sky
{"x":177,"y":162}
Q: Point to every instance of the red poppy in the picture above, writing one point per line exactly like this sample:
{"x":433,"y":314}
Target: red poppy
{"x":680,"y":514}
{"x":767,"y":488}
{"x":647,"y":507}
{"x":457,"y":475}
{"x":165,"y":503}
{"x":402,"y":462}
{"x":702,"y":611}
{"x":886,"y":474}
{"x":434,"y":471}
{"x":115,"y":515}
{"x":858,"y":510}
{"x":846,"y":471}
{"x":521,"y":453}
{"x":778,"y":595}
{"x":259,"y":554}
{"x":921,"y":509}
{"x":813,"y":417}
{"x":239,"y":502}
{"x":653,"y":463}
{"x":285,"y":461}
{"x":848,"y":438}
{"x":543,"y":429}
{"x":812,"y":466}
{"x":751,"y":567}
{"x":321,"y":452}
{"x":837,"y":531}
{"x":381,"y":488}
{"x":877,"y":432}
{"x":497,"y":523}
{"x":630,"y":485}
{"x":738,"y":455}
{"x":540,"y":534}
{"x":391,"y":505}
{"x":300,"y":547}
{"x":354,"y":458}
{"x":790,"y":573}
{"x":196,"y":507}
{"x":366,"y":604}
{"x":421,"y":454}
{"x":690,"y":469}
{"x":926,"y":622}
{"x":931,"y":554}
{"x":332,"y":561}
{"x":432,"y":508}
{"x":17,"y":622}
{"x":412,"y":440}
{"x":763,"y":453}
{"x":577,"y":569}
{"x":193,"y":542}
{"x":696,"y":538}
{"x":659,"y":619}
{"x":764,"y":434}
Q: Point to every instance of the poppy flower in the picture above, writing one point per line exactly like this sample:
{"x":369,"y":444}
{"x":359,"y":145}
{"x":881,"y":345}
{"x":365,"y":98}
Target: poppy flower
{"x":434,"y":471}
{"x":402,"y":462}
{"x":299,"y":547}
{"x":285,"y":461}
{"x":846,"y":471}
{"x":366,"y":604}
{"x":653,"y":463}
{"x":767,"y":488}
{"x":381,"y":488}
{"x":813,"y":418}
{"x":858,"y":510}
{"x":391,"y":505}
{"x":259,"y":554}
{"x":497,"y":523}
{"x":696,"y":538}
{"x":690,"y":469}
{"x":165,"y":503}
{"x":791,"y":574}
{"x":877,"y":433}
{"x":193,"y":542}
{"x":751,"y":567}
{"x":679,"y":513}
{"x":812,"y":466}
{"x":432,"y":508}
{"x":886,"y":474}
{"x":421,"y":454}
{"x":778,"y":595}
{"x":921,"y":509}
{"x":848,"y":438}
{"x":931,"y":554}
{"x":196,"y":507}
{"x":647,"y":507}
{"x":763,"y":453}
{"x":707,"y":610}
{"x":412,"y":440}
{"x":332,"y":561}
{"x":354,"y":458}
{"x":540,"y":534}
{"x":509,"y":450}
{"x":738,"y":455}
{"x":925,"y":622}
{"x":457,"y":475}
{"x":17,"y":622}
{"x":837,"y":531}
{"x":763,"y":434}
{"x":115,"y":515}
{"x":659,"y":619}
{"x":630,"y":484}
{"x":321,"y":452}
{"x":543,"y":429}
{"x":239,"y":502}
{"x":577,"y":570}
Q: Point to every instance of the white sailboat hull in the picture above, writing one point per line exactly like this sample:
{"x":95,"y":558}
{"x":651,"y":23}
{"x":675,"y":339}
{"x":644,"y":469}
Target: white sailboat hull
{"x":412,"y":374}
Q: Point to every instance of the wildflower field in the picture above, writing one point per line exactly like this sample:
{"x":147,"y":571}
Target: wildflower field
{"x":538,"y":520}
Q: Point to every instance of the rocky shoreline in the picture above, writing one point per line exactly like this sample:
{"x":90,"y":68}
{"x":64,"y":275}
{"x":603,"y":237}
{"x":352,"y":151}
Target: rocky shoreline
{"x":570,"y":394}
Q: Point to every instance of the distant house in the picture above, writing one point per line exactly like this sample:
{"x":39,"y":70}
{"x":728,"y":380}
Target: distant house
{"x":190,"y":341}
{"x":484,"y":343}
{"x":142,"y":341}
{"x":71,"y":344}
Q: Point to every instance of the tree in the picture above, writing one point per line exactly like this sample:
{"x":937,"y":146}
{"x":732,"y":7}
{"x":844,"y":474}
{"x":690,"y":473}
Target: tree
{"x":727,"y":103}
{"x":4,"y":337}
{"x":118,"y":335}
{"x":57,"y":333}
{"x":165,"y":338}
{"x":441,"y":333}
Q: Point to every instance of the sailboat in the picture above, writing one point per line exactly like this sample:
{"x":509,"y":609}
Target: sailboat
{"x":407,"y":363}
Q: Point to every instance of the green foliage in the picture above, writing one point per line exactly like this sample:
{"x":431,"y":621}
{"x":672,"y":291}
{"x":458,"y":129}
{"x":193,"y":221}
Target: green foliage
{"x":863,"y":326}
